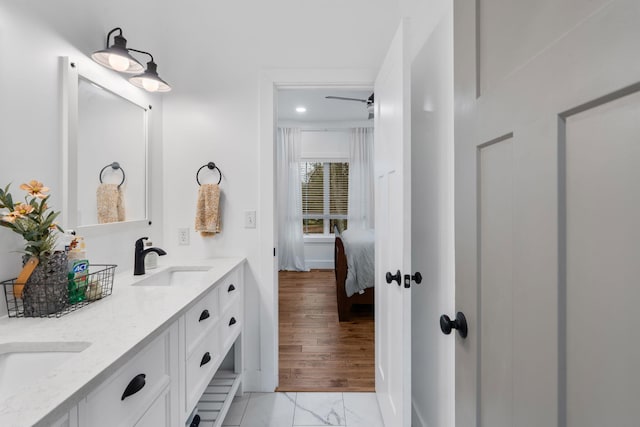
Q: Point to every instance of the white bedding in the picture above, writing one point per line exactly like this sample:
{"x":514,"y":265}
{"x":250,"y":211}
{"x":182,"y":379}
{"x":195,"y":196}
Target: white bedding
{"x":359,"y":250}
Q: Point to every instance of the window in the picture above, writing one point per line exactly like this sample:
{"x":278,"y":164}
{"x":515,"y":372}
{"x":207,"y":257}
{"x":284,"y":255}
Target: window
{"x":325,"y":187}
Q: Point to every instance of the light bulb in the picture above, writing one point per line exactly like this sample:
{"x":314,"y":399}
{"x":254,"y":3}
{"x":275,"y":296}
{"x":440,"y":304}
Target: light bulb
{"x":118,"y":63}
{"x":150,"y":85}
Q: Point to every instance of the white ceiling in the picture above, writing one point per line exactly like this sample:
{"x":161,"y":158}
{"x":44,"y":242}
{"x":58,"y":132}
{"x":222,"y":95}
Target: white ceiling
{"x":320,"y":109}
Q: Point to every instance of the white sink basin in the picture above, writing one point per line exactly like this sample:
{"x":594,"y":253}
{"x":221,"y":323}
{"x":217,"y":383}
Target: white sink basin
{"x":176,"y":276}
{"x":23,"y":363}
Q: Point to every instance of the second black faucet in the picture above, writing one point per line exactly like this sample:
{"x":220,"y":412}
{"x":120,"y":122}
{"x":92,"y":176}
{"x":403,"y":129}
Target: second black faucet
{"x":140,"y":253}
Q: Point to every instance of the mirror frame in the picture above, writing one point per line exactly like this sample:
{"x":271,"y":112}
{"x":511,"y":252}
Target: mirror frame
{"x":93,"y":73}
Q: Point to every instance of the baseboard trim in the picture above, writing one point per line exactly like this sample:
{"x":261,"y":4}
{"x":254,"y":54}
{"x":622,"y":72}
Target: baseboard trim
{"x":319,"y":264}
{"x":253,"y":381}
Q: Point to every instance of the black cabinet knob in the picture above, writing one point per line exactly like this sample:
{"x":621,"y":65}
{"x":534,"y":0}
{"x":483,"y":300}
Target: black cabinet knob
{"x":205,"y":359}
{"x":394,"y":277}
{"x":204,"y":315}
{"x":134,"y":386}
{"x":231,"y":288}
{"x":232,"y":321}
{"x":417,"y":277}
{"x":196,"y":421}
{"x":446,"y":324}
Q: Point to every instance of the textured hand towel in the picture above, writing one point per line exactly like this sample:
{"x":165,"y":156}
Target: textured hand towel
{"x":208,"y":210}
{"x":110,"y":200}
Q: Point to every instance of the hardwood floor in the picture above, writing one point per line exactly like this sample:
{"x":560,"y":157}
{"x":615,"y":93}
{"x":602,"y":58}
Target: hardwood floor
{"x":318,"y":353}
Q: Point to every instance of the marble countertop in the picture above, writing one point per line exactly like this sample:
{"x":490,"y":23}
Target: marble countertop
{"x":117,"y":328}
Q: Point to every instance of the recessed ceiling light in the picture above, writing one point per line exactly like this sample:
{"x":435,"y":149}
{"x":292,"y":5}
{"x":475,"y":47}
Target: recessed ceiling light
{"x":301,"y":109}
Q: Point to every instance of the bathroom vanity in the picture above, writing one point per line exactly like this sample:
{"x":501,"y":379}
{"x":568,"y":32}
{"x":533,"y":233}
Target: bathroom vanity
{"x":144,"y":356}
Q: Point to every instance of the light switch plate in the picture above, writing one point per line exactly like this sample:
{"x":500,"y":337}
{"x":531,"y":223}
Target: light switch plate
{"x":249,"y":219}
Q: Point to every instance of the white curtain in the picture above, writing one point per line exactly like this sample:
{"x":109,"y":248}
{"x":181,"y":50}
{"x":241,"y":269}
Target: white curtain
{"x":360,"y":210}
{"x":290,"y":237}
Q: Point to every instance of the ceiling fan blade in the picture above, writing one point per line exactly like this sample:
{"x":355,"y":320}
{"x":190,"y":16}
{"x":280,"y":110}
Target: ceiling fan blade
{"x":346,"y":99}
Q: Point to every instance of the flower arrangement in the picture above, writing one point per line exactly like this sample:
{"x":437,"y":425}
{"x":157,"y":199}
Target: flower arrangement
{"x":33,"y":219}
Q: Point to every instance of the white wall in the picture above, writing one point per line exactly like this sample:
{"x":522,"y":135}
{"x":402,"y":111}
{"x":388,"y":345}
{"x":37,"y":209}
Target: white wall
{"x":222,"y":65}
{"x":33,"y":35}
{"x":213,"y":114}
{"x":433,"y":227}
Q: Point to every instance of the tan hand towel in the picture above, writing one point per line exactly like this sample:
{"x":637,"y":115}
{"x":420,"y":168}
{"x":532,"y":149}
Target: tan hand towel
{"x":110,"y":201}
{"x":208,"y":210}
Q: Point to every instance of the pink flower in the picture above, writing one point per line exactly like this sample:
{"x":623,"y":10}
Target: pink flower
{"x":35,"y":188}
{"x":21,"y":210}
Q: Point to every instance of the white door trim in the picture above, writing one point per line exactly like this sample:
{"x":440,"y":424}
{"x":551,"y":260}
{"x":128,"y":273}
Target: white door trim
{"x":266,"y":378}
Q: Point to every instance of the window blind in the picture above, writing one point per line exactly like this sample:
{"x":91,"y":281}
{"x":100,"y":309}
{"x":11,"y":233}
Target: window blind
{"x":325,"y":187}
{"x":312,"y":177}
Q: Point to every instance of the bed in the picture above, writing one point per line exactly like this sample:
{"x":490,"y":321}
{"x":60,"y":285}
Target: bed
{"x":354,"y":268}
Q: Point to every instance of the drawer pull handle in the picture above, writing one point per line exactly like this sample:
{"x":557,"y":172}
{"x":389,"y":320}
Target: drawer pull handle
{"x":205,"y":359}
{"x":204,"y":315}
{"x":232,"y":321}
{"x":231,"y":288}
{"x":136,"y":384}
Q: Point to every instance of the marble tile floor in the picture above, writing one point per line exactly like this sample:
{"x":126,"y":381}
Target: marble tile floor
{"x":304,"y":409}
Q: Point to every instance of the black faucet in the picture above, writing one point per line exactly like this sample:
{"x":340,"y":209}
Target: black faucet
{"x":140,"y":253}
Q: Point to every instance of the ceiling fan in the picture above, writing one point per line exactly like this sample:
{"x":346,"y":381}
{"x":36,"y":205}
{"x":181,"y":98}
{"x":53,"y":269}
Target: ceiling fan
{"x":368,"y":101}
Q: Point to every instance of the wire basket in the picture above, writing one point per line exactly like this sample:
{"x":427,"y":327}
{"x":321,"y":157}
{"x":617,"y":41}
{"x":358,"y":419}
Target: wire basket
{"x":79,"y":292}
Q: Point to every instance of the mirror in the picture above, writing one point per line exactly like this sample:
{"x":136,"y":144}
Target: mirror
{"x":106,"y":150}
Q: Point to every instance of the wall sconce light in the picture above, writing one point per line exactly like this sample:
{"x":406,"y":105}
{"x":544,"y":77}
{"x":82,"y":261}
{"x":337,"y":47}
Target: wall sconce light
{"x":117,"y":58}
{"x":149,"y":80}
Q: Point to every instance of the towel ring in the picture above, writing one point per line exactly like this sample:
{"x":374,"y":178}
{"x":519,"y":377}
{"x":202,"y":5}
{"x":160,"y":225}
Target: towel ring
{"x":211,"y":166}
{"x":114,"y":166}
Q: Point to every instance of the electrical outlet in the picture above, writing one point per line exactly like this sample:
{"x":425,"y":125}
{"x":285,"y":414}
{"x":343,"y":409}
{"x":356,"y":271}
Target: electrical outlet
{"x":183,"y":236}
{"x":249,"y":219}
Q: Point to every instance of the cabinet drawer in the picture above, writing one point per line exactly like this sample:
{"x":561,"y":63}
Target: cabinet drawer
{"x":124,"y":397}
{"x":201,"y":318}
{"x":158,"y":415}
{"x":230,"y":290}
{"x":201,"y":366}
{"x":231,"y":323}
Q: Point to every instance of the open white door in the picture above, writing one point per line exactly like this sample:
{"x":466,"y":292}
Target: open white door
{"x":393,"y":240}
{"x":547,"y":149}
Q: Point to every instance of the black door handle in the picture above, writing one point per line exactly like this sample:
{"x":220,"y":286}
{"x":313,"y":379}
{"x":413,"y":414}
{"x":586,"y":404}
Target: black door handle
{"x":232,"y":321}
{"x":231,"y":288}
{"x":205,"y":359}
{"x":417,"y":277}
{"x":446,"y":324}
{"x":394,"y":277}
{"x":204,"y":315}
{"x":134,"y":386}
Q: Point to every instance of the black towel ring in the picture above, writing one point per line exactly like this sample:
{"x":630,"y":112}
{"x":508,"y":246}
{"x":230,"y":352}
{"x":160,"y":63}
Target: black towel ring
{"x":211,"y":166}
{"x":114,"y":166}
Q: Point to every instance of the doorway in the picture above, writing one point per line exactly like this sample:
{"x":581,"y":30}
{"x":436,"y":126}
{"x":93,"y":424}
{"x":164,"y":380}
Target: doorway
{"x":317,"y":351}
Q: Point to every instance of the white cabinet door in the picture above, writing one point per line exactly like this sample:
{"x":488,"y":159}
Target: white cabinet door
{"x":124,"y":397}
{"x":547,"y":150}
{"x":159,"y":413}
{"x":70,"y":419}
{"x":393,"y":234}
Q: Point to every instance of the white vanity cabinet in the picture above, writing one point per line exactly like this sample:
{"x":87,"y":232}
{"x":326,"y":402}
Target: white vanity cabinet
{"x":162,"y":383}
{"x":211,"y":328}
{"x":140,"y":391}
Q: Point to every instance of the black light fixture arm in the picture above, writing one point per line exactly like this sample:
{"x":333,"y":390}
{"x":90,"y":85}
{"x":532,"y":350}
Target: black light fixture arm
{"x":141,"y":51}
{"x":113,"y":31}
